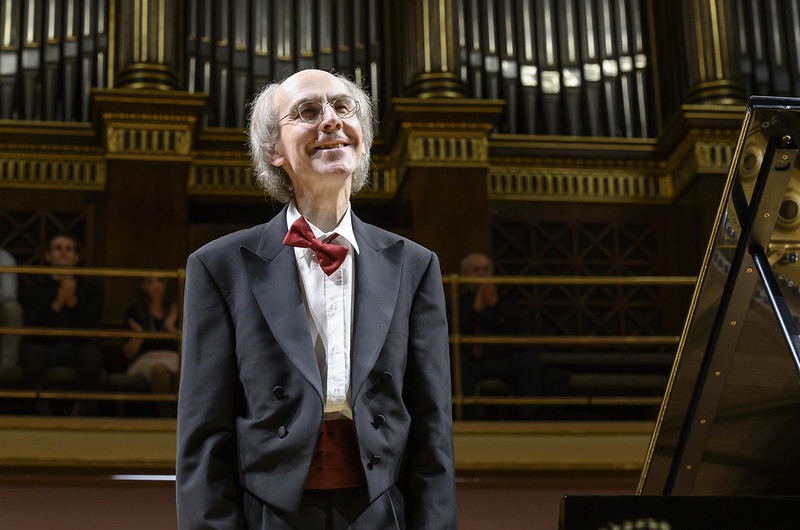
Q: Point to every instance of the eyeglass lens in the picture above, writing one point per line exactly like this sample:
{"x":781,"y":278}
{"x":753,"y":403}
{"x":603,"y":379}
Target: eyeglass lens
{"x":310,"y":111}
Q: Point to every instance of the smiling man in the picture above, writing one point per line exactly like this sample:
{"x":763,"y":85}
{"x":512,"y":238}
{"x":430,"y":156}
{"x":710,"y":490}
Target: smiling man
{"x":315,"y":385}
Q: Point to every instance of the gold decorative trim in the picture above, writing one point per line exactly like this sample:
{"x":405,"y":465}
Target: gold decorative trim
{"x":227,"y":179}
{"x":382,"y":183}
{"x":714,"y":157}
{"x":52,"y":172}
{"x":212,"y":179}
{"x":578,"y":184}
{"x":447,"y":126}
{"x":72,"y":149}
{"x":148,"y":140}
{"x":596,"y":170}
{"x":450,"y":150}
{"x":160,"y":118}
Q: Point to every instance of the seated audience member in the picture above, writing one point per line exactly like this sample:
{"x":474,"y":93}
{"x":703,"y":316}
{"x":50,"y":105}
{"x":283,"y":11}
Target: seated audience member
{"x":10,"y":312}
{"x":154,"y":359}
{"x":62,"y":301}
{"x":483,"y":311}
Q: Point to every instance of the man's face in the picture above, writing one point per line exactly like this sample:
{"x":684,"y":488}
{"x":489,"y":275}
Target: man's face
{"x":478,"y":266}
{"x":62,"y":252}
{"x":317,"y":155}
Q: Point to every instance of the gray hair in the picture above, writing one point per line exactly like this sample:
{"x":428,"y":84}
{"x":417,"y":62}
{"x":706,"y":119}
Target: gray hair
{"x":467,"y":260}
{"x":264,"y":131}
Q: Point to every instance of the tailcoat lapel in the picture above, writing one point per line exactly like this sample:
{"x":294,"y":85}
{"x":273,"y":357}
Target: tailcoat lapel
{"x":377,"y":282}
{"x":272,"y":275}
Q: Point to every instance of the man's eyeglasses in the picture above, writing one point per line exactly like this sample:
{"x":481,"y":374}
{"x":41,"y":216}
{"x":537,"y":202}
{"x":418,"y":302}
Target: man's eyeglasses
{"x":311,"y":111}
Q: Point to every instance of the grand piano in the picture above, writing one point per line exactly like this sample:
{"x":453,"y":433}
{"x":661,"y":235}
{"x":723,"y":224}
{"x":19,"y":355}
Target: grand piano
{"x":725,"y":451}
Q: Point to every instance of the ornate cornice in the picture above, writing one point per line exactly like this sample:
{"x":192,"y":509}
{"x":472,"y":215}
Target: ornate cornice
{"x":148,"y":141}
{"x":206,"y":178}
{"x":700,"y":142}
{"x":577,"y":184}
{"x":34,"y":170}
{"x":148,"y":124}
{"x":449,"y":150}
{"x":224,"y":178}
{"x":426,"y":134}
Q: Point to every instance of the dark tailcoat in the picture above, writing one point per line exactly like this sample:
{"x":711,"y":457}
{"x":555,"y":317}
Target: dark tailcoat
{"x":251,"y":401}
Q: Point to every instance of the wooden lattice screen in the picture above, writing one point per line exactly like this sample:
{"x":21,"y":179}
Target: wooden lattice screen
{"x":24,"y":233}
{"x":572,"y":248}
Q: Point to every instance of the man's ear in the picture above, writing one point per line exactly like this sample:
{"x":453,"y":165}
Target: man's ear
{"x":276,"y":158}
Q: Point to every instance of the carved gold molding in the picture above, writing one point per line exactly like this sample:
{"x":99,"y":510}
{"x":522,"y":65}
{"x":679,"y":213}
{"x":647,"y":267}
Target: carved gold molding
{"x":148,"y":136}
{"x":236,"y":179}
{"x":382,"y":183}
{"x":578,"y":184}
{"x":602,"y":170}
{"x":603,"y":180}
{"x":226,"y":179}
{"x":144,"y":141}
{"x":448,"y":149}
{"x":714,"y":156}
{"x":52,"y":172}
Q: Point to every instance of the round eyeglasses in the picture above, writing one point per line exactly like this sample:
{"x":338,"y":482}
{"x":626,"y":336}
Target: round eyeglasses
{"x":311,"y":111}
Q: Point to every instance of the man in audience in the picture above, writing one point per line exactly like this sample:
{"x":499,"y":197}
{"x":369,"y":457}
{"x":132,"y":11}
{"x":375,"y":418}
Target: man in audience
{"x":62,"y":301}
{"x":10,"y":312}
{"x":483,"y":311}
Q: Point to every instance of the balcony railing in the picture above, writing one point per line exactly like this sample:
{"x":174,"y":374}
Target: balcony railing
{"x":453,"y":283}
{"x":118,"y":396}
{"x":457,"y":340}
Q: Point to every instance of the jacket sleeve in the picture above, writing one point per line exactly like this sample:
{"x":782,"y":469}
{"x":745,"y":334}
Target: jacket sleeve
{"x":430,"y":470}
{"x":206,"y":469}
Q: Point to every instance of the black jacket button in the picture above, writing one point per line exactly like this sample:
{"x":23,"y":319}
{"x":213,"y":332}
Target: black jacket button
{"x":279,"y":392}
{"x":378,"y":420}
{"x":374,"y":461}
{"x":282,"y":431}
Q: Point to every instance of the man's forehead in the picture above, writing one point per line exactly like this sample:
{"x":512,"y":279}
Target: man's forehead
{"x":61,"y":241}
{"x":310,"y":84}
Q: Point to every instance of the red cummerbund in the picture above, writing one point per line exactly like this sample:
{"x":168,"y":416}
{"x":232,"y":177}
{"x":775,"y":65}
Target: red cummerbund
{"x":336,"y":462}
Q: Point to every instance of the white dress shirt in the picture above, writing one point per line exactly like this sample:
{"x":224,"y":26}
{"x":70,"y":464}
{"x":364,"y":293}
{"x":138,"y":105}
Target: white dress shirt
{"x":329,"y":308}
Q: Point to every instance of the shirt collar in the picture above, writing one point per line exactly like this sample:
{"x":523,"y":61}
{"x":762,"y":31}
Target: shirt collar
{"x":346,"y":236}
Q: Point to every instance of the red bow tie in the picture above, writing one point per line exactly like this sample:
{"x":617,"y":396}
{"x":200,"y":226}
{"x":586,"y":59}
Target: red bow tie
{"x":330,"y":256}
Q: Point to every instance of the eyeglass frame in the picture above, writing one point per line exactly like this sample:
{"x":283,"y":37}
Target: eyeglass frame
{"x":296,"y":110}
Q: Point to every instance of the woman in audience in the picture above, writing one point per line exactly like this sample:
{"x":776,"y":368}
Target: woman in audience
{"x":154,"y":359}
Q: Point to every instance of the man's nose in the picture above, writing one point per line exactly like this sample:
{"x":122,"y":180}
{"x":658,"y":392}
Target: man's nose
{"x":330,"y":118}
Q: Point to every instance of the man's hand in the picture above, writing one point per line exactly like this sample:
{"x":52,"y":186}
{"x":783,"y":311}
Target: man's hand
{"x":66,"y":295}
{"x":485,"y":296}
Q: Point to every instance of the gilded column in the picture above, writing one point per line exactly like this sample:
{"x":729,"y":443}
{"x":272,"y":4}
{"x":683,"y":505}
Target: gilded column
{"x":714,"y":72}
{"x":147,"y":44}
{"x":431,"y":55}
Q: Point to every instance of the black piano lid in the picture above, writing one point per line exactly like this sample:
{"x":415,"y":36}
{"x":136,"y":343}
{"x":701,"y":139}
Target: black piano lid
{"x":730,"y":420}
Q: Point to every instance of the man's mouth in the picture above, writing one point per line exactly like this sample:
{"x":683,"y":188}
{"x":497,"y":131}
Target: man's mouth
{"x":330,"y":146}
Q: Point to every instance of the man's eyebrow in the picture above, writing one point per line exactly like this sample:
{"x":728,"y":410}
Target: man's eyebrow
{"x":318,"y":100}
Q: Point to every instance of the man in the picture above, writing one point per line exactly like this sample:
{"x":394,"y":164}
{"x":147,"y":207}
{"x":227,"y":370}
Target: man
{"x":482,"y":311}
{"x":62,"y":301}
{"x":315,"y":387}
{"x":10,"y":312}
